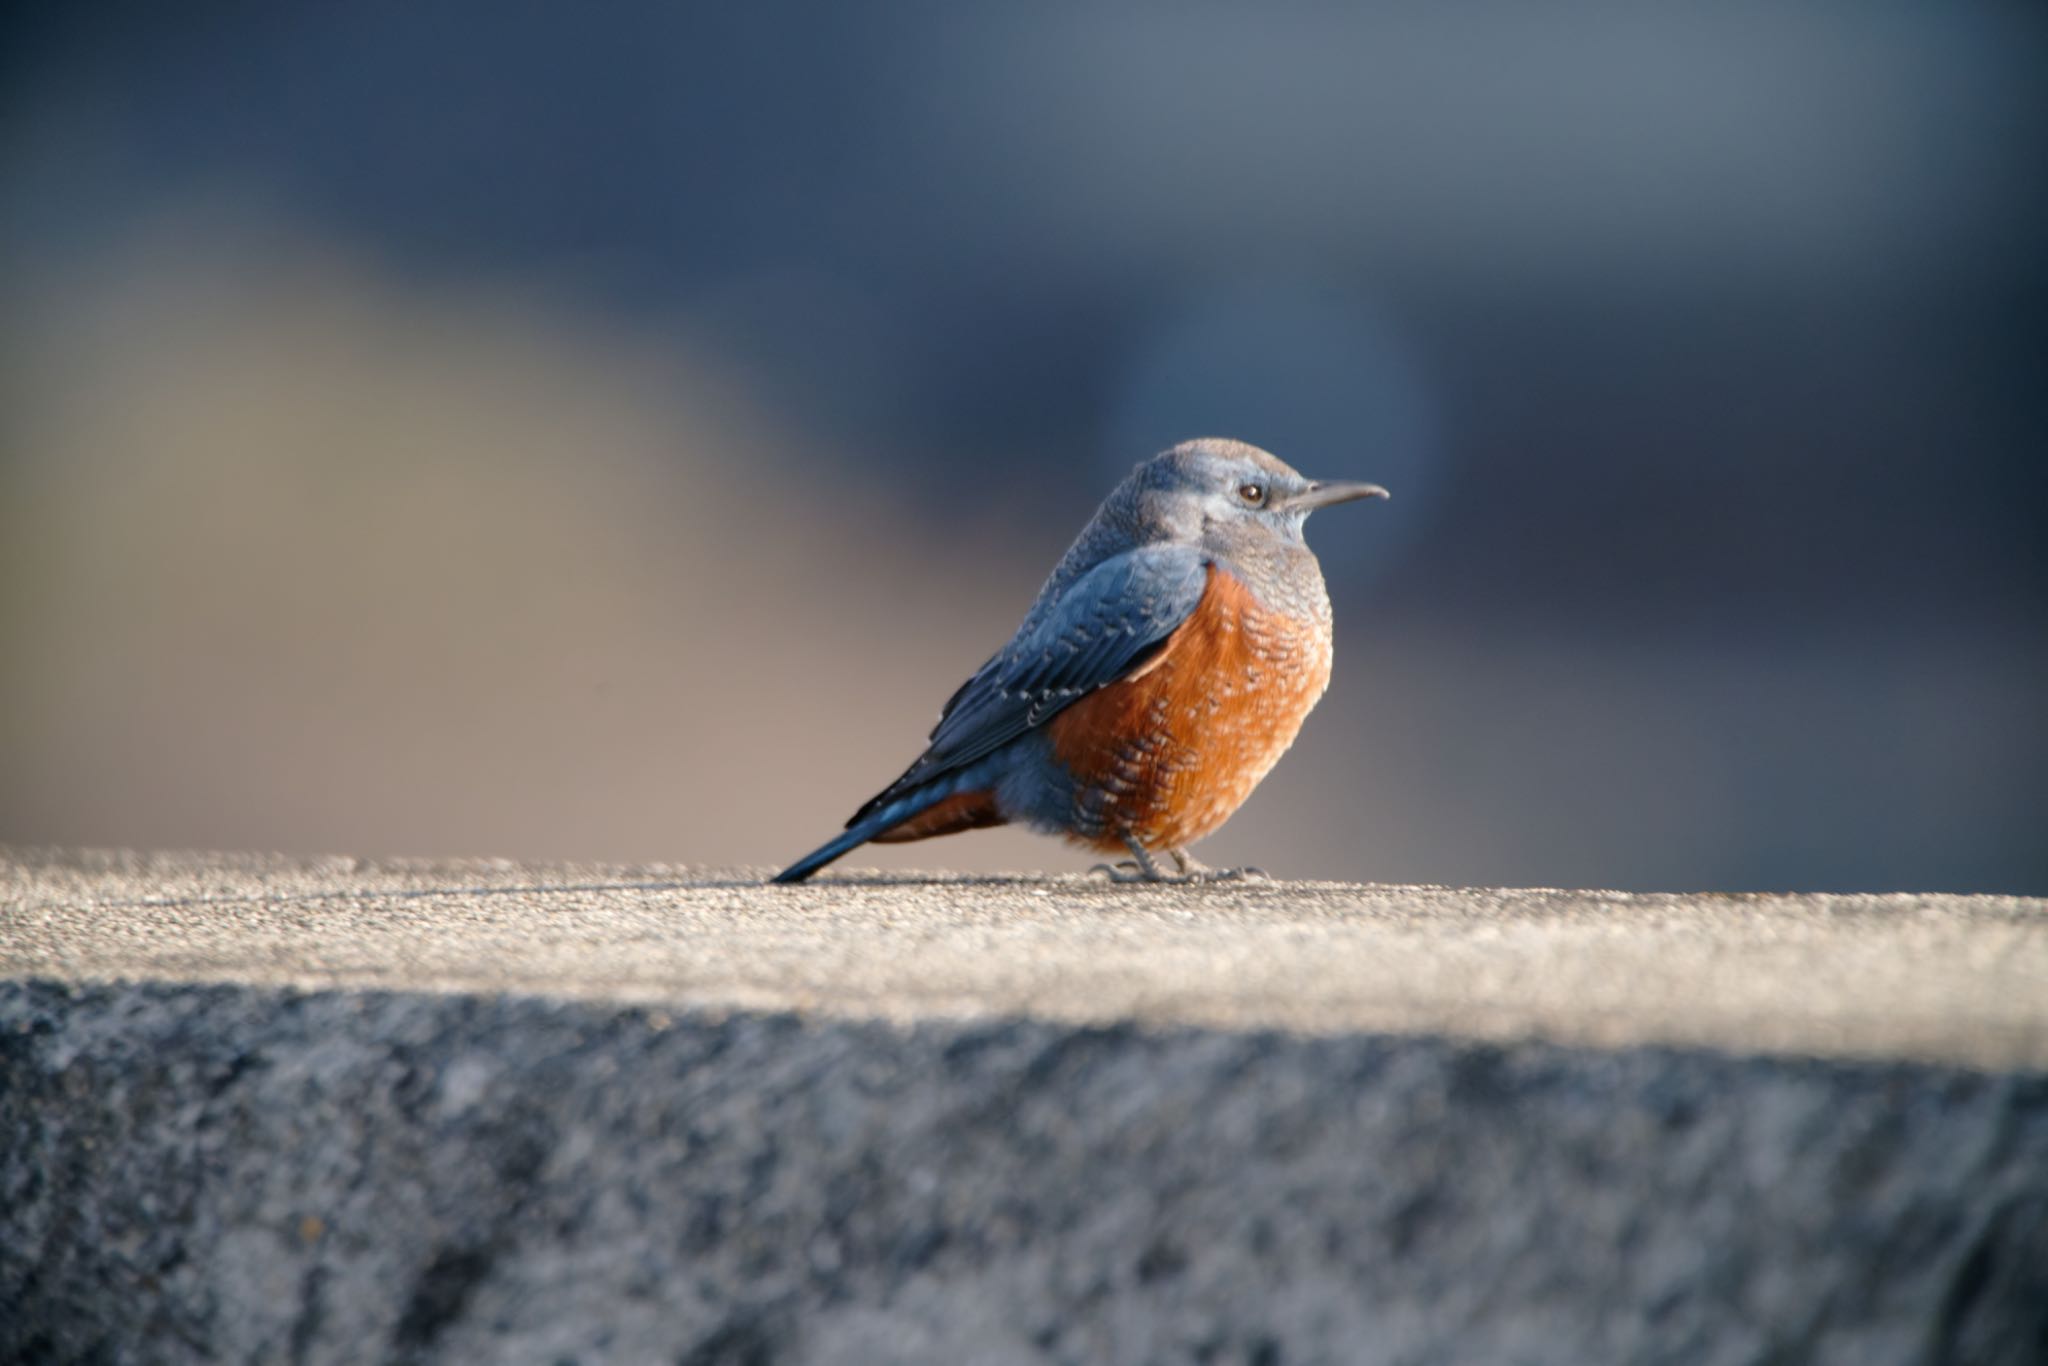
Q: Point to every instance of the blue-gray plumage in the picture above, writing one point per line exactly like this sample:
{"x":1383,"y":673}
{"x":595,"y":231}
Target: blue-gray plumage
{"x":1165,"y":666}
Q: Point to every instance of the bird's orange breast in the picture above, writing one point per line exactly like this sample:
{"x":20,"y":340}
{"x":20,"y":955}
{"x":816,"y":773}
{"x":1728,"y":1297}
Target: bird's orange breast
{"x":1168,"y":753}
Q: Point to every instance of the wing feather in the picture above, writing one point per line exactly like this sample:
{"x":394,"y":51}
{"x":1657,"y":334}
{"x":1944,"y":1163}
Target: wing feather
{"x":1110,"y":622}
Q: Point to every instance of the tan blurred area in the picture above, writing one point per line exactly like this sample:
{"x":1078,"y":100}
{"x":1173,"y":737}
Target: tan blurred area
{"x":303,"y":554}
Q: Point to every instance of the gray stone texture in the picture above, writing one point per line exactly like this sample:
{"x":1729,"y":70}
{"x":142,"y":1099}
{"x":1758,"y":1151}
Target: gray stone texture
{"x":223,"y":1138}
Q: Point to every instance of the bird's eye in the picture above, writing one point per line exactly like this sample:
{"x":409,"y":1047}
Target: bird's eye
{"x":1255,"y":494}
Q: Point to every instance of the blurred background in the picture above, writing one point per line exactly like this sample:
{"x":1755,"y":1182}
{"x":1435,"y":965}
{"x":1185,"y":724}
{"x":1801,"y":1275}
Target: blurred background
{"x":610,"y":432}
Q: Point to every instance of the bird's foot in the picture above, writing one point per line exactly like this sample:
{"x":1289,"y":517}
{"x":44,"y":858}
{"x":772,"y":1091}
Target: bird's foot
{"x":1142,"y":867}
{"x":1129,"y":870}
{"x":1139,"y":867}
{"x":1193,"y":869}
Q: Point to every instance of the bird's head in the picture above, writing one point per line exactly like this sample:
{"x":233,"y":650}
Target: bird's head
{"x":1229,"y":496}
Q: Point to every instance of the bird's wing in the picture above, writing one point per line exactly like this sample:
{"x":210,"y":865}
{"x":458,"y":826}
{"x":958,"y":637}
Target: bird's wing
{"x":1107,"y":624}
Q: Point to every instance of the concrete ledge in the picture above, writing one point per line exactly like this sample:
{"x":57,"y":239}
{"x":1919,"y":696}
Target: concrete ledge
{"x":257,"y":1110}
{"x":1936,"y":978}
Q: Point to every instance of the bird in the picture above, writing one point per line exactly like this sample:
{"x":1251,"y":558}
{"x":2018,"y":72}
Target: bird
{"x":1165,"y":666}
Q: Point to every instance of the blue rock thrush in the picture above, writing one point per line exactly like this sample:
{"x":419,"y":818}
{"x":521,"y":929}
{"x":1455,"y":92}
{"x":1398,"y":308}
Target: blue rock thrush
{"x":1164,"y":669}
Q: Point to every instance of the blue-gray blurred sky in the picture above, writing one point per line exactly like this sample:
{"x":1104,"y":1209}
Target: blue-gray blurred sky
{"x":610,"y":431}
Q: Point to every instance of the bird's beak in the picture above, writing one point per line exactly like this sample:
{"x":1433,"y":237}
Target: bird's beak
{"x":1322,"y":495}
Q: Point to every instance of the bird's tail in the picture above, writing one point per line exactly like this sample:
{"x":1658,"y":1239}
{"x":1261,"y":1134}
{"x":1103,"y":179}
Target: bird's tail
{"x":885,"y":818}
{"x":825,"y":853}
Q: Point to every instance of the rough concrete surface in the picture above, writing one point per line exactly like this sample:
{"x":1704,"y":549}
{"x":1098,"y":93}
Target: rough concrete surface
{"x":264,"y":1110}
{"x":1940,"y":978}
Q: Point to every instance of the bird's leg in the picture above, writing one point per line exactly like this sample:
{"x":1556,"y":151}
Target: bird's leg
{"x":1193,"y":869}
{"x":1139,"y":867}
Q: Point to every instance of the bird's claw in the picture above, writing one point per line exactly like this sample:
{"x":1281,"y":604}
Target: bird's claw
{"x":1130,"y":870}
{"x":1244,"y":874}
